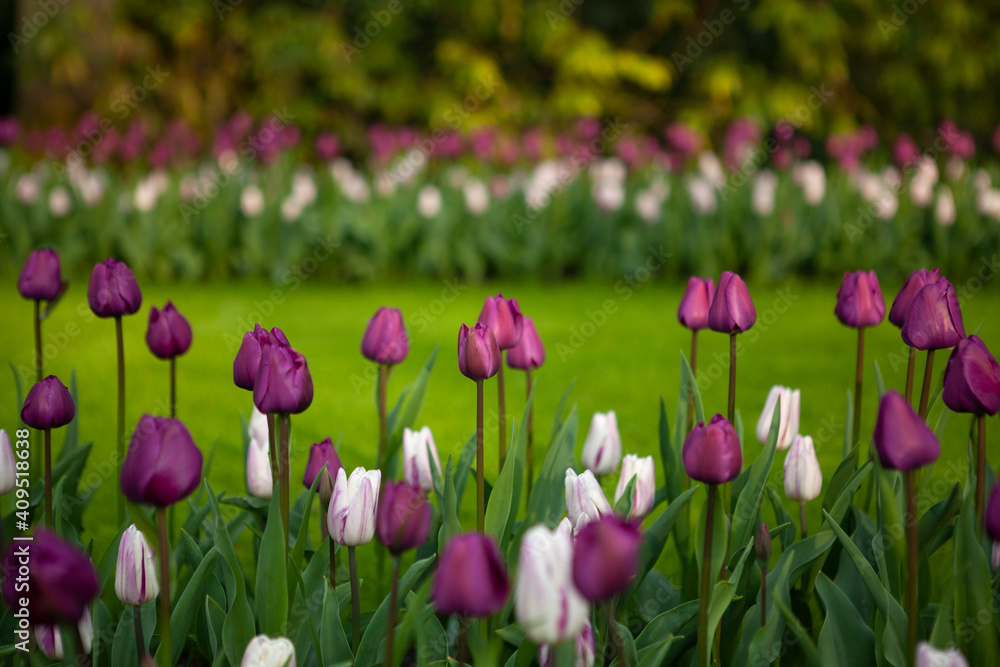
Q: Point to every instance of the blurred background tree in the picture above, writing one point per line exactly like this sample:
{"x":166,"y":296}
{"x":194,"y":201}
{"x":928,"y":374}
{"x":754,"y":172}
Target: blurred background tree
{"x":901,"y":65}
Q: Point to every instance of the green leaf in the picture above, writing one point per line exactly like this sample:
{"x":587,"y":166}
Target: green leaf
{"x":745,"y":517}
{"x":878,"y":380}
{"x":719,"y":534}
{"x":670,"y":460}
{"x":941,"y":633}
{"x":411,"y":407}
{"x":845,"y":637}
{"x":623,"y":506}
{"x":801,"y":634}
{"x":447,"y":506}
{"x":506,"y":495}
{"x":548,"y":496}
{"x":186,"y":609}
{"x":781,"y":518}
{"x":655,"y":537}
{"x":893,"y":532}
{"x":333,"y":640}
{"x":298,"y":552}
{"x":689,"y":385}
{"x":371,"y":643}
{"x":464,"y":467}
{"x":973,"y":594}
{"x":271,"y":587}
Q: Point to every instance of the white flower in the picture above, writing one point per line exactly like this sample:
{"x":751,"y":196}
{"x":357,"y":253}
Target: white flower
{"x":988,"y":202}
{"x":477,"y":197}
{"x":886,"y":205}
{"x":892,"y":178}
{"x":546,"y":602}
{"x":8,"y":472}
{"x":954,"y":169}
{"x":609,"y":195}
{"x":981,"y":180}
{"x":148,"y":191}
{"x":135,"y":574}
{"x":585,"y":651}
{"x":611,"y":170}
{"x":251,"y":201}
{"x":928,"y":656}
{"x":711,"y":168}
{"x":944,"y":209}
{"x":602,"y":450}
{"x":351,"y":517}
{"x":927,"y":170}
{"x":28,"y":189}
{"x":803,"y":476}
{"x":644,"y":492}
{"x":429,"y":201}
{"x":260,"y":482}
{"x":190,"y":188}
{"x":585,"y":501}
{"x":765,"y":186}
{"x":304,"y":187}
{"x":809,"y":175}
{"x":59,"y":201}
{"x":419,"y":469}
{"x":91,"y":188}
{"x":291,"y":209}
{"x":262,"y":651}
{"x":788,"y":421}
{"x":921,"y":190}
{"x":647,"y":205}
{"x":49,"y":637}
{"x":702,"y":195}
{"x":228,"y":161}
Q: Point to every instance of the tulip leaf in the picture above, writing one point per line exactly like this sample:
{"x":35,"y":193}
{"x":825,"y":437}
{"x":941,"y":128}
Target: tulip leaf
{"x":654,"y":539}
{"x":307,"y":600}
{"x":745,"y":516}
{"x":689,"y":386}
{"x":271,"y":587}
{"x":681,"y":621}
{"x":557,"y":416}
{"x":123,"y":649}
{"x":463,"y":468}
{"x":506,"y":495}
{"x":720,"y":534}
{"x":845,"y":638}
{"x":723,"y":591}
{"x":890,"y":515}
{"x":878,"y":380}
{"x":806,"y":644}
{"x":623,"y":633}
{"x":941,"y":633}
{"x":973,"y":595}
{"x":186,"y":608}
{"x":371,"y":642}
{"x":407,"y":410}
{"x":781,"y":518}
{"x":299,"y":550}
{"x":333,"y":640}
{"x":894,"y":635}
{"x":623,"y":506}
{"x":447,"y":506}
{"x":109,"y":560}
{"x":937,"y":524}
{"x":548,"y":496}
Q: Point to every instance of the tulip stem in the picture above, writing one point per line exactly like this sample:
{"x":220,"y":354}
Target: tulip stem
{"x":531,"y":437}
{"x":704,"y":641}
{"x":272,"y":449}
{"x":173,"y":387}
{"x":383,"y":379}
{"x":82,"y":658}
{"x":333,"y":562}
{"x":164,"y":650}
{"x":285,"y":428}
{"x":140,"y":637}
{"x":802,"y":520}
{"x":390,"y":628}
{"x":38,"y":340}
{"x":502,"y":409}
{"x":911,"y":363}
{"x":355,"y":598}
{"x":48,"y":478}
{"x":913,"y":570}
{"x":121,"y":412}
{"x":694,"y":364}
{"x":925,"y":391}
{"x":463,"y":641}
{"x":859,"y":373}
{"x":480,"y":482}
{"x":980,"y":470}
{"x":763,"y":593}
{"x":732,"y":378}
{"x":613,"y":635}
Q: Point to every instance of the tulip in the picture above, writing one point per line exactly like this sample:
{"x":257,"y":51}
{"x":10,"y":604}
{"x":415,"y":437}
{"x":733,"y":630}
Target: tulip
{"x":41,"y":278}
{"x":404,"y":517}
{"x":712,"y":454}
{"x":320,"y":454}
{"x":528,"y":355}
{"x":49,"y":637}
{"x":168,"y":336}
{"x":260,"y":476}
{"x":991,"y":519}
{"x":283,"y":384}
{"x":479,"y":359}
{"x":788,"y":421}
{"x":471,"y":578}
{"x":247,"y":361}
{"x":585,"y":650}
{"x":928,"y":656}
{"x":48,"y":405}
{"x":385,"y":340}
{"x":61,"y":581}
{"x":803,"y":476}
{"x":585,"y":501}
{"x":602,"y":450}
{"x":695,"y":304}
{"x":645,"y":484}
{"x":351,"y":519}
{"x":732,"y":309}
{"x":262,"y":651}
{"x":546,"y":602}
{"x":901,"y":306}
{"x":163,"y":465}
{"x":8,"y":472}
{"x":420,"y":468}
{"x":135,"y":574}
{"x":933,"y":322}
{"x":606,"y":557}
{"x":503,"y":316}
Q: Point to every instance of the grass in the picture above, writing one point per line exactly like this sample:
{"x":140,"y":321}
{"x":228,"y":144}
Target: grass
{"x":620,"y":342}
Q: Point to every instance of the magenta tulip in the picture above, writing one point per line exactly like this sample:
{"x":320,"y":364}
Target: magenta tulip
{"x":169,"y":334}
{"x":712,"y":453}
{"x":471,"y":578}
{"x":529,"y":353}
{"x":605,"y":557}
{"x":41,"y":278}
{"x":404,"y":517}
{"x":903,"y":441}
{"x":163,"y":465}
{"x":385,"y":340}
{"x":247,"y":361}
{"x":503,"y":316}
{"x":113,"y":290}
{"x":732,"y":309}
{"x":478,"y":353}
{"x":934,"y":319}
{"x":283,"y":384}
{"x":859,"y":301}
{"x":320,"y":454}
{"x":693,"y":310}
{"x":48,"y":405}
{"x":901,"y":305}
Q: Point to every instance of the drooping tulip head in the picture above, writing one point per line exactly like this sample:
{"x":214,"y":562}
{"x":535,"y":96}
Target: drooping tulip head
{"x":901,"y":305}
{"x":385,"y":340}
{"x":732,"y":310}
{"x":48,"y":405}
{"x":695,"y":304}
{"x":529,"y":353}
{"x":712,"y":453}
{"x":859,"y":300}
{"x":162,"y":465}
{"x":168,"y":334}
{"x":478,"y":354}
{"x":471,"y":578}
{"x":113,"y":290}
{"x":503,"y":316}
{"x":934,"y":320}
{"x":41,"y":277}
{"x":903,"y":441}
{"x":972,"y":379}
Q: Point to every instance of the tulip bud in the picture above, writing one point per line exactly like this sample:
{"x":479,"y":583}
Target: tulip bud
{"x":247,"y":361}
{"x":404,"y":517}
{"x":262,"y":651}
{"x":326,"y":489}
{"x":61,"y":581}
{"x":419,"y":469}
{"x":917,"y":280}
{"x":972,"y":379}
{"x":803,"y":476}
{"x":934,"y":320}
{"x":585,"y":501}
{"x":697,"y":299}
{"x":503,"y":316}
{"x":49,"y":637}
{"x":529,"y":353}
{"x":283,"y":384}
{"x":585,"y":651}
{"x":478,"y":354}
{"x":135,"y":575}
{"x":385,"y":340}
{"x":41,"y":278}
{"x":602,"y":450}
{"x":351,"y":517}
{"x":546,"y":602}
{"x":732,"y":308}
{"x":8,"y":472}
{"x":260,"y":483}
{"x":48,"y":405}
{"x":904,"y":442}
{"x":113,"y":290}
{"x":169,"y":334}
{"x":762,"y":543}
{"x":991,"y":515}
{"x":928,"y":656}
{"x":162,"y":465}
{"x":320,"y":454}
{"x":471,"y":578}
{"x":712,"y":454}
{"x":605,"y":557}
{"x":859,"y":301}
{"x":788,"y":421}
{"x":644,"y":491}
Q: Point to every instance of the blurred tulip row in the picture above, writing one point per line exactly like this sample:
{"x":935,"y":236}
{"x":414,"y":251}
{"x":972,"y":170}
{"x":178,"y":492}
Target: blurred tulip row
{"x":555,"y":572}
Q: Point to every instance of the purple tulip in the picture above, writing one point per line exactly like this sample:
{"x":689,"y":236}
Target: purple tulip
{"x":163,"y":465}
{"x":48,"y":405}
{"x":529,"y":353}
{"x":504,"y":317}
{"x":695,"y":304}
{"x":471,"y":578}
{"x":683,"y":139}
{"x":247,"y":361}
{"x":283,"y":384}
{"x":327,"y":146}
{"x":972,"y":379}
{"x":169,"y":334}
{"x":905,"y":151}
{"x":732,"y":308}
{"x":478,"y":354}
{"x":113,"y":290}
{"x":404,"y":517}
{"x":917,"y":280}
{"x":904,"y":442}
{"x":712,"y":453}
{"x":321,"y":454}
{"x":991,"y":516}
{"x":605,"y":557}
{"x":385,"y":340}
{"x":859,"y":300}
{"x":934,"y":320}
{"x":41,"y":278}
{"x":58,"y":579}
{"x":9,"y":129}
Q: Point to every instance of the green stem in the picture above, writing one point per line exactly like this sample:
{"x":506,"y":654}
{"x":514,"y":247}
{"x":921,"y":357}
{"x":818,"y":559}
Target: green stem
{"x":704,"y":640}
{"x":333,"y":562}
{"x":613,"y":635}
{"x":531,"y":437}
{"x":272,"y":449}
{"x":48,"y":478}
{"x":355,"y":599}
{"x":164,"y":650}
{"x":121,"y":414}
{"x":911,"y":364}
{"x":858,"y":377}
{"x":390,"y":628}
{"x":140,"y":637}
{"x":732,"y":378}
{"x":38,"y":340}
{"x":502,"y":409}
{"x":763,"y":594}
{"x":480,"y":480}
{"x":925,"y":391}
{"x":383,"y":378}
{"x":694,"y":364}
{"x":913,"y":565}
{"x":980,"y":471}
{"x":802,"y":520}
{"x":173,"y":387}
{"x":285,"y":428}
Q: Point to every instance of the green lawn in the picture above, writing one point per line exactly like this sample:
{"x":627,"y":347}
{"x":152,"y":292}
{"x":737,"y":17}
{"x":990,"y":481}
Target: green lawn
{"x":620,"y":343}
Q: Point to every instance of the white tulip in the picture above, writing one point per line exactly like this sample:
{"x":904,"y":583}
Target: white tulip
{"x":602,"y":450}
{"x":928,"y":656}
{"x":644,"y":492}
{"x":135,"y":573}
{"x":788,"y":422}
{"x":49,"y":637}
{"x":546,"y":602}
{"x":585,"y":501}
{"x":251,"y":201}
{"x":429,"y":201}
{"x":419,"y":469}
{"x":765,"y":187}
{"x":260,"y":483}
{"x":8,"y":473}
{"x":351,"y":518}
{"x":262,"y":651}
{"x":944,"y":209}
{"x":803,"y":476}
